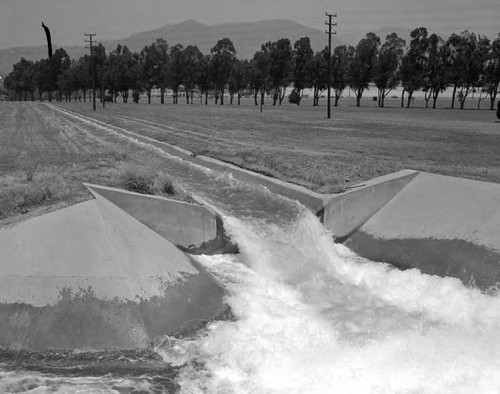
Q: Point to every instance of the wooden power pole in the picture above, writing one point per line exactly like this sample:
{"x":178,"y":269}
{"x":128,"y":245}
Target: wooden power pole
{"x":92,"y":62}
{"x":330,"y":34}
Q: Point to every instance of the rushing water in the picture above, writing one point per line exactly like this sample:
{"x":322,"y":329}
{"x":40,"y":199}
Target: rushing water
{"x":311,"y":317}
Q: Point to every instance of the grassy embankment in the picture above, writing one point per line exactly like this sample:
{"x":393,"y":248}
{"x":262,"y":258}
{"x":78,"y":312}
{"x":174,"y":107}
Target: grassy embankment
{"x":300,"y":145}
{"x":44,"y":155}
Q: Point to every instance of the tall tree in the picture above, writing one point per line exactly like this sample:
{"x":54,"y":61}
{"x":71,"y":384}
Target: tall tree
{"x":67,"y":81}
{"x":303,"y":55}
{"x":413,"y":64}
{"x":41,"y":68}
{"x":154,"y":59}
{"x":205,"y":81}
{"x":468,"y":55}
{"x":341,"y":60}
{"x":387,"y":66}
{"x":280,"y":67}
{"x":57,"y":64}
{"x":491,"y":73}
{"x":223,"y":55}
{"x":192,"y":67}
{"x":100,"y":65}
{"x":176,"y":70}
{"x":259,"y":76}
{"x":162,"y":71}
{"x":21,"y":79}
{"x":319,"y":74}
{"x":84,"y":74}
{"x":437,"y":69}
{"x":362,"y":66}
{"x":238,"y":79}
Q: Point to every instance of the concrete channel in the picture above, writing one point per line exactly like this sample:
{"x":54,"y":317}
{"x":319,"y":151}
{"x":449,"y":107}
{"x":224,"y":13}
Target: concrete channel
{"x":115,"y":272}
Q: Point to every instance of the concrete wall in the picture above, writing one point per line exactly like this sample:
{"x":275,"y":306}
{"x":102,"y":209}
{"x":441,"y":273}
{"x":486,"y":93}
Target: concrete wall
{"x":313,"y":201}
{"x":92,"y":277}
{"x":348,"y":211}
{"x":193,"y":228}
{"x":441,"y":225}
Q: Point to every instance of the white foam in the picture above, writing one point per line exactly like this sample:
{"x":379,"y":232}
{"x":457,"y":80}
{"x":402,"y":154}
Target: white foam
{"x":35,"y":383}
{"x":314,"y":318}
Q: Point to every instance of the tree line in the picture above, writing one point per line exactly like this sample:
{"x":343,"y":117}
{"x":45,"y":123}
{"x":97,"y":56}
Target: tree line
{"x":428,"y":63}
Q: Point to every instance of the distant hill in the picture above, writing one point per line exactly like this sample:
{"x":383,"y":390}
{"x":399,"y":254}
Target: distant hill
{"x":246,"y":36}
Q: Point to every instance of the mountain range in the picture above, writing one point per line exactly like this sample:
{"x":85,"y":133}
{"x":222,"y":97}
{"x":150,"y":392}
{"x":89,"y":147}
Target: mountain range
{"x":246,"y":36}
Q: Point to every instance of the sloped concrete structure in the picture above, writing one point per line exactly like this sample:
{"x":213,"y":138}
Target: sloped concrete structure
{"x":193,"y":228}
{"x":441,"y":225}
{"x":92,"y":277}
{"x":346,"y":212}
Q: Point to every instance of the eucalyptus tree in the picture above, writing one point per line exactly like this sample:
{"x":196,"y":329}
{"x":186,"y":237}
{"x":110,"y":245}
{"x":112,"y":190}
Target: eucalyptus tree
{"x":121,"y":72}
{"x":303,"y":55}
{"x":40,"y":72}
{"x":341,"y":60}
{"x":205,"y":81}
{"x":238,"y":79}
{"x":280,"y":68}
{"x":176,"y":71}
{"x":319,"y":74}
{"x":21,"y":79}
{"x":437,"y":69}
{"x":362,"y":66}
{"x":259,"y":76}
{"x":154,"y":59}
{"x":67,"y":82}
{"x":387,"y":66}
{"x":468,"y":55}
{"x":59,"y":62}
{"x":81,"y":75}
{"x":192,"y":67}
{"x":147,"y":58}
{"x":44,"y":74}
{"x":163,"y":67}
{"x":100,"y":69}
{"x":491,"y":73}
{"x":413,"y":64}
{"x":223,"y":56}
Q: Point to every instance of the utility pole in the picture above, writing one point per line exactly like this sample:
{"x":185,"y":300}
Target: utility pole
{"x":330,"y":33}
{"x":90,"y":41}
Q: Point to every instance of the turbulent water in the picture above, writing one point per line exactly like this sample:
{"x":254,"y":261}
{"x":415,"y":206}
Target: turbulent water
{"x":310,"y":316}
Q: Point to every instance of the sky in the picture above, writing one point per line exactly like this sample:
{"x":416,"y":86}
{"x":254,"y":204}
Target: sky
{"x":20,"y":20}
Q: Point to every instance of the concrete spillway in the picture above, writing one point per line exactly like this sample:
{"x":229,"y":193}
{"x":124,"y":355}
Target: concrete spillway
{"x":91,"y":276}
{"x":440,"y":225}
{"x":109,"y":273}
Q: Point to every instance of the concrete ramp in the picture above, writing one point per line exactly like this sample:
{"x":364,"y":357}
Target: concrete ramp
{"x":441,"y":225}
{"x":193,"y":228}
{"x":92,"y":277}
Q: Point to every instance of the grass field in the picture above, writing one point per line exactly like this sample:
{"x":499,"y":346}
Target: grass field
{"x":300,"y":145}
{"x":45,"y":155}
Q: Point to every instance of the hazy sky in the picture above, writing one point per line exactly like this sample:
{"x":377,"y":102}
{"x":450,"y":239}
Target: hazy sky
{"x":20,"y":20}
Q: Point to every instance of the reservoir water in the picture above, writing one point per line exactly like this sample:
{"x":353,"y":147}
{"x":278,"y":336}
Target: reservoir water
{"x":309,"y":316}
